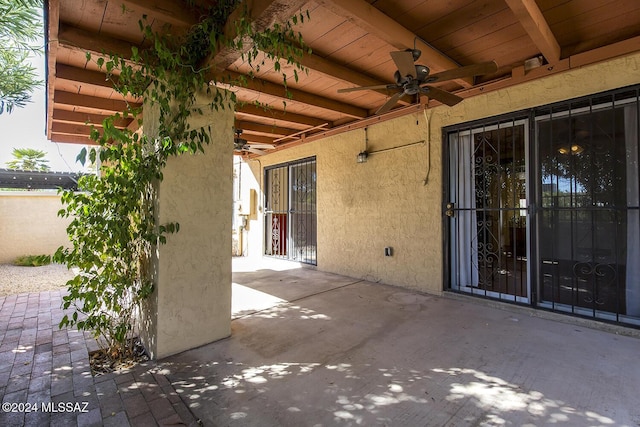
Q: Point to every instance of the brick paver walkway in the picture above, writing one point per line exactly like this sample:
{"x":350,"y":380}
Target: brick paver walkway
{"x":45,"y":377}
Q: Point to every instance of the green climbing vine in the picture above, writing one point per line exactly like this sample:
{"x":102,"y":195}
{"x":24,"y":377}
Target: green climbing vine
{"x":114,"y":229}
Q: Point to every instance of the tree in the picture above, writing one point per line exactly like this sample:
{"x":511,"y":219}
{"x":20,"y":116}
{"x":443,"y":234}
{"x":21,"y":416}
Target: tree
{"x":29,"y":159}
{"x":20,"y":32}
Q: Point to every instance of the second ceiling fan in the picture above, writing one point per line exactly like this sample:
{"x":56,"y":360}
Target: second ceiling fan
{"x":241,"y":145}
{"x":414,"y":79}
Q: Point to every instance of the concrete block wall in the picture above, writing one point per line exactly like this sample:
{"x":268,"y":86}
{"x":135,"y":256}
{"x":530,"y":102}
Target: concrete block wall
{"x":30,"y":225}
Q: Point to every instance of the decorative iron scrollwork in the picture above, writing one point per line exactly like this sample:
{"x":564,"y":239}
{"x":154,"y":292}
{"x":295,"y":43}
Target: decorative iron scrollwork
{"x":603,"y":277}
{"x":275,"y":235}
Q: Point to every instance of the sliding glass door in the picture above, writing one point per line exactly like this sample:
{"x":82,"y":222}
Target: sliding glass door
{"x":588,"y":229}
{"x":555,"y":223}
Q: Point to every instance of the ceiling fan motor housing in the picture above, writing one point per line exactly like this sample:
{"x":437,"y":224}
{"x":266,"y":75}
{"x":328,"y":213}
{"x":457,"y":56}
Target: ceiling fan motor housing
{"x":239,"y":143}
{"x":412,"y":85}
{"x":422,"y":72}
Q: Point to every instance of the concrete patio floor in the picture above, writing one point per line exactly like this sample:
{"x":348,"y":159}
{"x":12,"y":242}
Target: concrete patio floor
{"x":315,"y":349}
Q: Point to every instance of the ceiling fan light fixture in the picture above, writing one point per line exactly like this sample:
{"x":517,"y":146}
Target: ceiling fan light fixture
{"x":576,"y":149}
{"x":571,"y":149}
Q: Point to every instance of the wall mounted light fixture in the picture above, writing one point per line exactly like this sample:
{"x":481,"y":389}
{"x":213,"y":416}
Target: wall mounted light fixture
{"x":362,"y":156}
{"x":366,"y":153}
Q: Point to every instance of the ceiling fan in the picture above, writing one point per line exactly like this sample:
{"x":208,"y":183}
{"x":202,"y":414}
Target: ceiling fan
{"x":414,"y":79}
{"x":241,"y":145}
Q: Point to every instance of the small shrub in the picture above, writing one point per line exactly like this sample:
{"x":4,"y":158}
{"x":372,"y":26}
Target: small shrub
{"x":33,"y":260}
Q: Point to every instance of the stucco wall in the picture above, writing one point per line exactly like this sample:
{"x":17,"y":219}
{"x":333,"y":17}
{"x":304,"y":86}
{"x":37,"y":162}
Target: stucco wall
{"x":385,"y":202}
{"x":362,"y":208}
{"x":192,"y":302}
{"x":29,"y":224}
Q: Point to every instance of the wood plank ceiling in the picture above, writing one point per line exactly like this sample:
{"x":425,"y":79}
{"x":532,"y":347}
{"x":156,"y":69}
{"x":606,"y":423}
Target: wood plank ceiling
{"x":351,"y":41}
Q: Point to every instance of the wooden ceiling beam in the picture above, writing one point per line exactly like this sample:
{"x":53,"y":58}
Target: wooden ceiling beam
{"x":74,"y":38}
{"x":71,"y":139}
{"x":605,"y":53}
{"x":169,"y":11}
{"x":263,"y":14}
{"x":531,"y":18}
{"x":341,"y":72}
{"x":99,"y":105}
{"x":85,"y":77}
{"x":373,"y":21}
{"x":263,"y":86}
{"x":260,"y":128}
{"x":64,"y":116}
{"x":52,"y":23}
{"x":135,"y":125}
{"x":285,"y":116}
{"x":249,"y":137}
{"x":71,"y":129}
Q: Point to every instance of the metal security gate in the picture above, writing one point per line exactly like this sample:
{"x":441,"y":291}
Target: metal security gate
{"x":487,"y":210}
{"x":290,"y":211}
{"x":554,"y":223}
{"x":588,"y":216}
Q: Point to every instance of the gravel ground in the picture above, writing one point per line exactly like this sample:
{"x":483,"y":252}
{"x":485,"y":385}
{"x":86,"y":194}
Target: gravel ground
{"x":18,"y":280}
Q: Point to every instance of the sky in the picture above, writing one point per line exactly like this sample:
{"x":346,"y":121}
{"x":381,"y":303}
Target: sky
{"x":25,"y":128}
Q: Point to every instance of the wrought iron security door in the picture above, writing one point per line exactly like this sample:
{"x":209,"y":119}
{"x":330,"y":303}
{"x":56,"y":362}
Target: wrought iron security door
{"x":488,"y":211}
{"x":290,"y":214}
{"x":588,"y":226}
{"x":557,"y":224}
{"x":276,"y":211}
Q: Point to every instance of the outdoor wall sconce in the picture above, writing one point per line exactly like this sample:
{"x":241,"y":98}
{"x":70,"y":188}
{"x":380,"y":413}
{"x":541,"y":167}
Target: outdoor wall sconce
{"x":362,"y":156}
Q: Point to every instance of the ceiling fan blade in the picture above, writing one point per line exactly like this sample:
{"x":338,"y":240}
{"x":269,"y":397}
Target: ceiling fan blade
{"x":440,"y":95}
{"x":390,"y":103}
{"x":376,"y":87}
{"x":260,"y":146}
{"x":404,"y":62}
{"x":468,"y":71}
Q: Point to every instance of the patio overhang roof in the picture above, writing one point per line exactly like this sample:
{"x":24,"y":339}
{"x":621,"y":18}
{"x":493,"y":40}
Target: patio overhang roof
{"x":351,"y":42}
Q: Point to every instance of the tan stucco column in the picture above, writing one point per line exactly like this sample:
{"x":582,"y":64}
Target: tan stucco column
{"x":191,"y":305}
